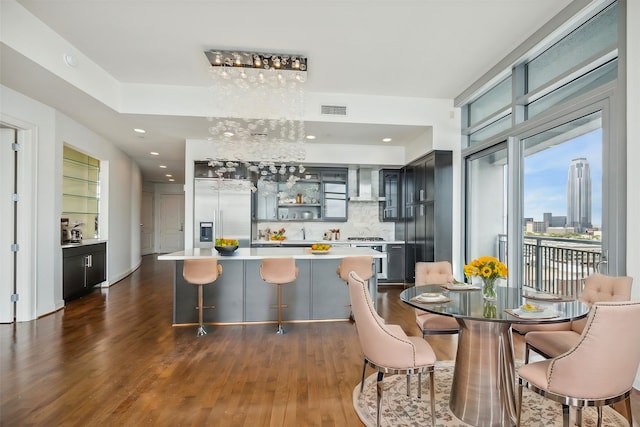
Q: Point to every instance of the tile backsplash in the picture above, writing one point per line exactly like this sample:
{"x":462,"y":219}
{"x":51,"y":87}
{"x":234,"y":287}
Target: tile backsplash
{"x":364,"y":220}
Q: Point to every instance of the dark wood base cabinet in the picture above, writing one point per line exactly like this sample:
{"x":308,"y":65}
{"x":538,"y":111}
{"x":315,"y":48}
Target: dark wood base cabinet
{"x":83,"y":267}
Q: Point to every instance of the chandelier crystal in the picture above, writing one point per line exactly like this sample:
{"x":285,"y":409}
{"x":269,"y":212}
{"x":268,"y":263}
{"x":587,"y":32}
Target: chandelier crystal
{"x":257,"y":114}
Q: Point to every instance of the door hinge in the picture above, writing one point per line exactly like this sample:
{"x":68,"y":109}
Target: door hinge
{"x":15,"y":247}
{"x":15,"y":146}
{"x":15,"y":297}
{"x":15,"y":197}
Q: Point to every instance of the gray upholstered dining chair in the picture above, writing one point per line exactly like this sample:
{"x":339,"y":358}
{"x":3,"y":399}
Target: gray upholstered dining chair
{"x":598,"y":370}
{"x":386,"y":347}
{"x":597,"y":287}
{"x":434,"y":273}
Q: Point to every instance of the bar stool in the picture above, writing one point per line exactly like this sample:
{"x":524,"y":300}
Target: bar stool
{"x":279,"y":271}
{"x":362,"y":265}
{"x":202,"y":271}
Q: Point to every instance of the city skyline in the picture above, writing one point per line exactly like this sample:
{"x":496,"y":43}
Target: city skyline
{"x":545,"y":177}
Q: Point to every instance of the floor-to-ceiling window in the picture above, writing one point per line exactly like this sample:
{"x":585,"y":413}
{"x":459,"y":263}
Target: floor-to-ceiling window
{"x":562,"y":205}
{"x":542,"y":184}
{"x":486,"y":173}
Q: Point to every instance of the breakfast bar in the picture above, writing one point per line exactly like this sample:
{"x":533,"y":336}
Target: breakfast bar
{"x":241,"y":296}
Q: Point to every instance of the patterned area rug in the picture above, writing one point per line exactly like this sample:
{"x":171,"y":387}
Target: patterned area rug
{"x":400,"y":410}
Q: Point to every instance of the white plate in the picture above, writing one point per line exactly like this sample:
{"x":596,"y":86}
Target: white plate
{"x":536,"y":310}
{"x":543,"y":296}
{"x":431,"y":297}
{"x":459,"y":286}
{"x":544,"y":314}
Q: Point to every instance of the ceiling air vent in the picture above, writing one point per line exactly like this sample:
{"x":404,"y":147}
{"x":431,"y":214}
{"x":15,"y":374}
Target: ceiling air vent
{"x":336,"y":110}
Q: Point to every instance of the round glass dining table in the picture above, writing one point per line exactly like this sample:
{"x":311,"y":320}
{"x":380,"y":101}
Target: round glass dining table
{"x":483,"y":387}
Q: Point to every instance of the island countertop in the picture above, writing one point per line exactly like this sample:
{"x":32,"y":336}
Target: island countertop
{"x":275,"y":252}
{"x":240,"y":296}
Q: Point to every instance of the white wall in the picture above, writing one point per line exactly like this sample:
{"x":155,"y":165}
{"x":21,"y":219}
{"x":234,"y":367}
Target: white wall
{"x":121,"y":192}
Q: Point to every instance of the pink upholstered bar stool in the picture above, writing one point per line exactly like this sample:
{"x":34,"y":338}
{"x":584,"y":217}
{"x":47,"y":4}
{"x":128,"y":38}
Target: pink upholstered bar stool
{"x":279,"y":271}
{"x":362,"y":265}
{"x":201,"y":272}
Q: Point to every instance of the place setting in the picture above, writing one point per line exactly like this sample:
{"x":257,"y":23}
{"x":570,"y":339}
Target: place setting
{"x":547,"y":297}
{"x":461,"y":286}
{"x":431,"y":298}
{"x":533,"y":311}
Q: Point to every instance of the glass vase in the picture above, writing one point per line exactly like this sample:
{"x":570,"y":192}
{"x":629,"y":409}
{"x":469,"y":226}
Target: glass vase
{"x":489,"y":311}
{"x":489,"y":288}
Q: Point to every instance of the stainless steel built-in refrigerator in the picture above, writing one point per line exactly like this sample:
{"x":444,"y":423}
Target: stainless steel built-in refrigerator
{"x":222,"y":209}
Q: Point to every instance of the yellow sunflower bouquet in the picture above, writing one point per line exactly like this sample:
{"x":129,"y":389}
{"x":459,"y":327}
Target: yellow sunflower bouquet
{"x":488,"y":269}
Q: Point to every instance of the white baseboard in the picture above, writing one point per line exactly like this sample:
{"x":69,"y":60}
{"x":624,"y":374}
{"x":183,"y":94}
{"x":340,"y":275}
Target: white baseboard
{"x":114,"y":280}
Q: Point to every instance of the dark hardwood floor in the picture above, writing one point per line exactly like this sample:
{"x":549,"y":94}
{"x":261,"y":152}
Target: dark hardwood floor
{"x":112,"y":358}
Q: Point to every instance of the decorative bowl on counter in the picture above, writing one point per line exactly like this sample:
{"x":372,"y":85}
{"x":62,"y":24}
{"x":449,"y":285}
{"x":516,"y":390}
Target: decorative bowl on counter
{"x":320,"y":248}
{"x":226,"y":246}
{"x":225,"y":250}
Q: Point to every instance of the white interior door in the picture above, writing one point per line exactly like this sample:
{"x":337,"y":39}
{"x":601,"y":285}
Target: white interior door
{"x":171,"y":223}
{"x":7,"y":229}
{"x":146,"y":224}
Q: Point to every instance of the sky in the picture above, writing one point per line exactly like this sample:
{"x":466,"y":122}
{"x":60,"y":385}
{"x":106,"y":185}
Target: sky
{"x":545,"y":177}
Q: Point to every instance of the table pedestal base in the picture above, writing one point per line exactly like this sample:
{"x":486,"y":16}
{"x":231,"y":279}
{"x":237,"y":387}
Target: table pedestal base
{"x":482,"y":392}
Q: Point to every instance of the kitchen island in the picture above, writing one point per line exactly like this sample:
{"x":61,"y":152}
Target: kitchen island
{"x":241,"y":296}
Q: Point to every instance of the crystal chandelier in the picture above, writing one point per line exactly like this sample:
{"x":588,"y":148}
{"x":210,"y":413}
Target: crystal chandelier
{"x":258,"y":112}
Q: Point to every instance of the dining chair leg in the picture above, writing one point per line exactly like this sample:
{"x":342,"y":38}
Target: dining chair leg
{"x":364,"y":369}
{"x":627,"y":410}
{"x":579,"y":416}
{"x":565,"y":415}
{"x":600,"y":416}
{"x":379,"y":397}
{"x":408,"y":384}
{"x":519,"y":409}
{"x":420,"y":385}
{"x":432,"y":396}
{"x":526,"y":353}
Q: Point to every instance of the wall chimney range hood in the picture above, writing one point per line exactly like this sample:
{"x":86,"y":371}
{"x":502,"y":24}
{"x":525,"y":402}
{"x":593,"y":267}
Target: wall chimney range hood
{"x":365,"y":187}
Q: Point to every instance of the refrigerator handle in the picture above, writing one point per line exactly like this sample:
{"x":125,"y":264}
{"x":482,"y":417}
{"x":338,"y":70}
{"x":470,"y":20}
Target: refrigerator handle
{"x":181,"y":226}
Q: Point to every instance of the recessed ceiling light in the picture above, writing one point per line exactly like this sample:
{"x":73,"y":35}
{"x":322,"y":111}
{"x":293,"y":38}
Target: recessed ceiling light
{"x":386,"y":140}
{"x":163,"y":167}
{"x":138,"y":130}
{"x":311,"y":137}
{"x":171,"y":179}
{"x":154,"y":153}
{"x":229,"y":134}
{"x":168,"y":175}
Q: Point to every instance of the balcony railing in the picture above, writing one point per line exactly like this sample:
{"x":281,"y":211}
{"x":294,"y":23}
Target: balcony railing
{"x":558,"y":265}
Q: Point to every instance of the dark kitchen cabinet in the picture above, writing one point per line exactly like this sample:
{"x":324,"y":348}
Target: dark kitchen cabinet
{"x":395,"y":262}
{"x":83,"y":267}
{"x":428,"y":210}
{"x":391,"y":208}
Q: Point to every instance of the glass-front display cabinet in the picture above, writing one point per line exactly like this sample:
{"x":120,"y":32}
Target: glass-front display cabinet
{"x":320,"y":194}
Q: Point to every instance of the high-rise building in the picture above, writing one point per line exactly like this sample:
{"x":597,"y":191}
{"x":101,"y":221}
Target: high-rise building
{"x":579,"y":195}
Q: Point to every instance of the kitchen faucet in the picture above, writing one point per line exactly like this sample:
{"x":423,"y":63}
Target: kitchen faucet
{"x":304,"y":234}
